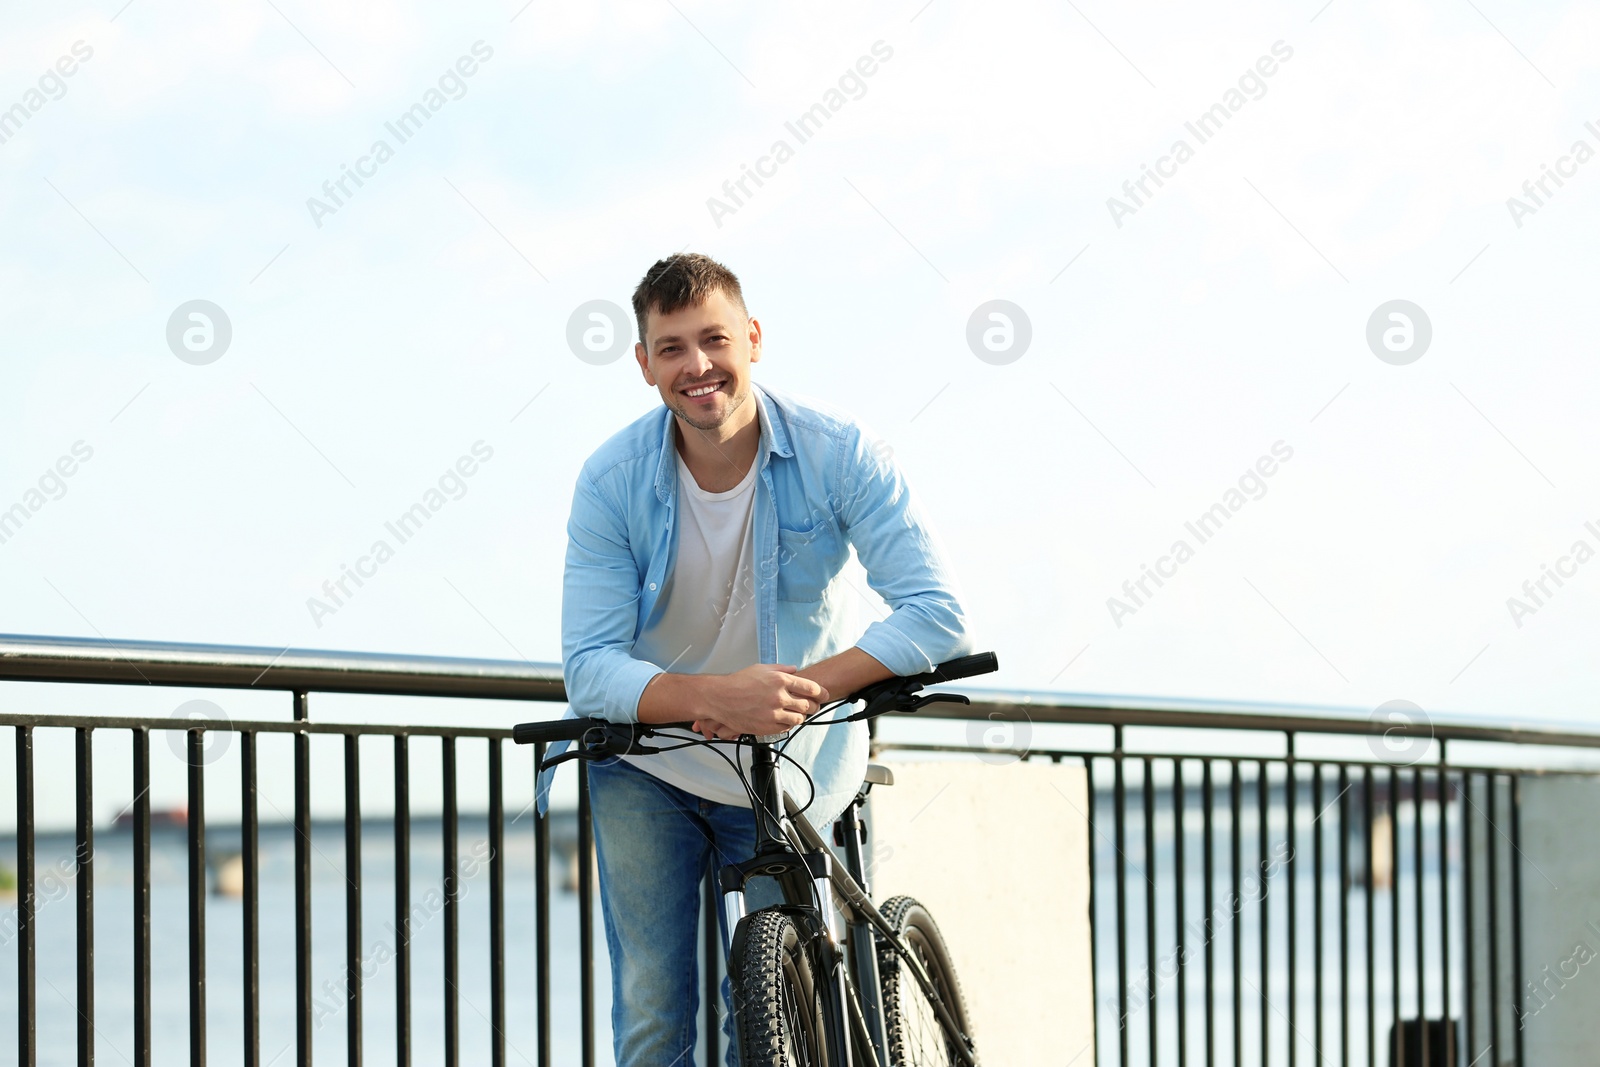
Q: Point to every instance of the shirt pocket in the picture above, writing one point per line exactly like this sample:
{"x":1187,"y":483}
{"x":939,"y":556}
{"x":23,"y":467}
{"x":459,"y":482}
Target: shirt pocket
{"x":808,"y":560}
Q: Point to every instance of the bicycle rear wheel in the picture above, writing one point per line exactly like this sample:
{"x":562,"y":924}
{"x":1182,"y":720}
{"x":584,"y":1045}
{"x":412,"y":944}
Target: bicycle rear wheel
{"x":777,"y":998}
{"x":915,"y":1035}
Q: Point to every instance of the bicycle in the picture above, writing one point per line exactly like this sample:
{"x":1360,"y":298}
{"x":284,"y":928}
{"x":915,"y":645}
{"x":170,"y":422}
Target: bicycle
{"x":827,"y":978}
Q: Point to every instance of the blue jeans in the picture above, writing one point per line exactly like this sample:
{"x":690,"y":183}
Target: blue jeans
{"x":653,"y":842}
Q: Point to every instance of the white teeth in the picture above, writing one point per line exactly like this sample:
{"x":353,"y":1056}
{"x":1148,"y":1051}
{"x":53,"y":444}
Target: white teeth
{"x":703,"y":390}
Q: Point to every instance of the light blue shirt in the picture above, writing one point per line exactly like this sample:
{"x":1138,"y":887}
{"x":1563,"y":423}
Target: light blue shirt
{"x":823,"y":488}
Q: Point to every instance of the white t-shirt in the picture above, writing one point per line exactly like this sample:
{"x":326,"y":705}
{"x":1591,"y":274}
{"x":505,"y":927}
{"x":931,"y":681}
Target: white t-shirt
{"x":705,"y":623}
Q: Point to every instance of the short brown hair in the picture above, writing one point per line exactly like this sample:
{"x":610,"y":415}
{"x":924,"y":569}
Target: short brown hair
{"x":682,"y":281}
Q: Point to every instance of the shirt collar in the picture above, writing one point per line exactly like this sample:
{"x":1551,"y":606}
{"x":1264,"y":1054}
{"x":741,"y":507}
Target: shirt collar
{"x":774,"y":441}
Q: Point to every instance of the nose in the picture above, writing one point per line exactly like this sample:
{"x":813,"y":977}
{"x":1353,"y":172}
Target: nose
{"x":699,"y":363}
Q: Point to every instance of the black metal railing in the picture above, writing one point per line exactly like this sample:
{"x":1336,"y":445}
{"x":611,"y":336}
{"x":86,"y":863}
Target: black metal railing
{"x":1214,"y":879}
{"x":1254,"y":910}
{"x":298,"y":673}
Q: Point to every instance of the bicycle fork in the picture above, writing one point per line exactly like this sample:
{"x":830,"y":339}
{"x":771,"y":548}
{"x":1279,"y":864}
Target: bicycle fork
{"x":806,"y":879}
{"x":849,"y":832}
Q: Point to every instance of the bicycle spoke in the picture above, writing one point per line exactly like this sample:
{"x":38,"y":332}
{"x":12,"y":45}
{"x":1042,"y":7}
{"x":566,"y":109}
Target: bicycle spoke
{"x":923,"y":1038}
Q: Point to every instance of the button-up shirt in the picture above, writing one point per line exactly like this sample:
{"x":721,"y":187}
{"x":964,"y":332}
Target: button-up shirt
{"x":824,"y":488}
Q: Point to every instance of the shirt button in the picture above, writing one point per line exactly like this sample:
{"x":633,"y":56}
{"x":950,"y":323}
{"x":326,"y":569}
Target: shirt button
{"x":652,"y":587}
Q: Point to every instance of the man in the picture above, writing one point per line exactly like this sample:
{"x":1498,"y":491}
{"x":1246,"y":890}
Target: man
{"x":704,"y":543}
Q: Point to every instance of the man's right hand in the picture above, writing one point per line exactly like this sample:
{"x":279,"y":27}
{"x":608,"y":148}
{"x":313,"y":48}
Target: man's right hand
{"x":762,"y":699}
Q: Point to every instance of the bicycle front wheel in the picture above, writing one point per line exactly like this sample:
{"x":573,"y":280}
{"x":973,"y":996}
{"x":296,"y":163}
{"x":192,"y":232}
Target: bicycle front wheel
{"x":915,"y":1034}
{"x":777,"y":996}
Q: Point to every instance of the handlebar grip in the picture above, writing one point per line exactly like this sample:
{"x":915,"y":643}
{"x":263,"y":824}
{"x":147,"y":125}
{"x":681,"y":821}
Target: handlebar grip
{"x":965,"y":667}
{"x":529,"y":733}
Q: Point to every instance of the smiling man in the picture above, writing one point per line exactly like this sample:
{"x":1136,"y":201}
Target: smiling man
{"x":703,"y":551}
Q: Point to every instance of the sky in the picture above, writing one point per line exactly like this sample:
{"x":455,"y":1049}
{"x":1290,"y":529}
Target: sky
{"x":1178,"y":335}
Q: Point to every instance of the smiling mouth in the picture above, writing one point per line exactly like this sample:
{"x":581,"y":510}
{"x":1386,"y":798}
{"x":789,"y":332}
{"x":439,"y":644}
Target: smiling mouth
{"x":703,"y":390}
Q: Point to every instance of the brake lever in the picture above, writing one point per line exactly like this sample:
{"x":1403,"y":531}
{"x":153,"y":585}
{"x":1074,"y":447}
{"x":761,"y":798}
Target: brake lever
{"x":615,"y":741}
{"x":938,"y":698}
{"x":565,"y":757}
{"x":898,"y":699}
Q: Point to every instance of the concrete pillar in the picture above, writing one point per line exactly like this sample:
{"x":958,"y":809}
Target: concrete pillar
{"x":1560,"y":869}
{"x":999,"y":855}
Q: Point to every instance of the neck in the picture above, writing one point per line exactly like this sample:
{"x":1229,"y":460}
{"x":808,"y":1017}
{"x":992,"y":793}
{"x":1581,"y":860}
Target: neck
{"x":719,"y":458}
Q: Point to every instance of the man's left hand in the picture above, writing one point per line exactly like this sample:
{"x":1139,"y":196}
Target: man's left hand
{"x":715,"y":730}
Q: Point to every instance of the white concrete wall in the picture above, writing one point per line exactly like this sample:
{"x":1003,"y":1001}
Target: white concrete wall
{"x":1561,"y":919}
{"x":999,"y":855}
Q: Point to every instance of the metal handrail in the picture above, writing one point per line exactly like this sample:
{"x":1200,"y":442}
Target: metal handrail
{"x":1003,"y":708}
{"x":79,"y":659}
{"x":249,"y":726}
{"x":75,"y":659}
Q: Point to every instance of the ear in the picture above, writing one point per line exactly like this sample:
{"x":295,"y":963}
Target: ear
{"x":755,"y":341}
{"x":644,"y":363}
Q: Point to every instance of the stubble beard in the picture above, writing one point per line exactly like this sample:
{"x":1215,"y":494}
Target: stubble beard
{"x":706,"y":423}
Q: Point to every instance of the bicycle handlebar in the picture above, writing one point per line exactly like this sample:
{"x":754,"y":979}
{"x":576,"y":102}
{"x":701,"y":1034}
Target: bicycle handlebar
{"x":879,"y":697}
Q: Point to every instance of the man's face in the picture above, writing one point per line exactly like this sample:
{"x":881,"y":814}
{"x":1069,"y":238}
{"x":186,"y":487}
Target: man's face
{"x":711,"y":344}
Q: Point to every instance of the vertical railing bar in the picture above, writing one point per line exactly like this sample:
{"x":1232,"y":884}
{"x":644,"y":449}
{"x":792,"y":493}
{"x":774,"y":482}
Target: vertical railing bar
{"x":711,"y":944}
{"x":497,"y":906}
{"x":197,"y":897}
{"x":1468,"y":919}
{"x":352,"y":899}
{"x":1317,"y":863}
{"x":1236,"y":907}
{"x":452,"y":985}
{"x":1119,"y":796}
{"x":1208,"y":837}
{"x":1263,"y":807}
{"x":1179,"y":841}
{"x":249,"y":848}
{"x":541,"y":922}
{"x":586,"y":915}
{"x":302,"y":881}
{"x":1494,"y":917}
{"x":1398,"y":1051}
{"x":85,"y":895}
{"x":402,"y":900}
{"x":1151,"y":977}
{"x":1417,"y":805}
{"x":1451,"y":1041}
{"x":1514,"y":861}
{"x":1291,"y":833}
{"x":141,"y":897}
{"x":27,"y":942}
{"x":1367,"y":802}
{"x":1094,"y":916}
{"x":1344,"y":915}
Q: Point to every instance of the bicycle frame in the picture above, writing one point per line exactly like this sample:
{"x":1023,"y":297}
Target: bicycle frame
{"x":789,"y":850}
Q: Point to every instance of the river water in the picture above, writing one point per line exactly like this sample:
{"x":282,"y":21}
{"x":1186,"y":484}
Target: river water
{"x":56,"y":960}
